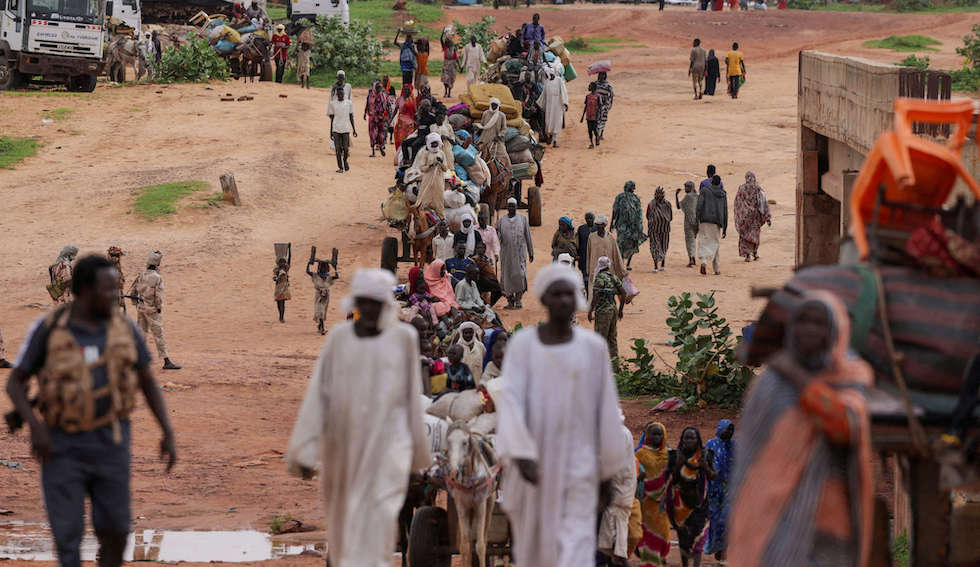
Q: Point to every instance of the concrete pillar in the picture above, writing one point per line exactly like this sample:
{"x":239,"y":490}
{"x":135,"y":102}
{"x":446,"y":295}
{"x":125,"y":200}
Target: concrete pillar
{"x":817,"y":214}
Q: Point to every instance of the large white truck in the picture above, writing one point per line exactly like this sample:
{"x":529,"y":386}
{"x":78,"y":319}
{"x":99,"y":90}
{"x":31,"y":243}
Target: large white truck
{"x":299,"y":9}
{"x":52,"y":42}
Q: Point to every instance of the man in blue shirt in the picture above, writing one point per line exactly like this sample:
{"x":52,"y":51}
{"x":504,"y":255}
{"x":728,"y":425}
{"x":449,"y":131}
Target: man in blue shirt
{"x":457,"y":265}
{"x":533,"y":36}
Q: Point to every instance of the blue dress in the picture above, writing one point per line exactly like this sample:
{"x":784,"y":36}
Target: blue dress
{"x":724,"y":458}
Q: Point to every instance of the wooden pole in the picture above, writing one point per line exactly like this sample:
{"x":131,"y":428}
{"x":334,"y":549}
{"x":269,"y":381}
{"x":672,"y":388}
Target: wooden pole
{"x":230,"y":189}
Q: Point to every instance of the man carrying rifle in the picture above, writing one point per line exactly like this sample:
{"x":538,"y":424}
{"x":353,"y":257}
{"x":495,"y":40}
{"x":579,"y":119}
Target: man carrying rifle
{"x":148,"y":287}
{"x":90,"y":361}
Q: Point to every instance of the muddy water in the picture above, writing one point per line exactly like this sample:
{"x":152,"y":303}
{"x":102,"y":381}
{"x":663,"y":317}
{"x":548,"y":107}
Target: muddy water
{"x":33,"y":542}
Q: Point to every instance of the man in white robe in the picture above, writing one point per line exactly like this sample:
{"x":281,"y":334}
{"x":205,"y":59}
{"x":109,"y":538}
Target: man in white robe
{"x":515,"y":247}
{"x":473,"y":60}
{"x":361,"y":419}
{"x":614,"y":524}
{"x":559,"y":434}
{"x":554,"y":101}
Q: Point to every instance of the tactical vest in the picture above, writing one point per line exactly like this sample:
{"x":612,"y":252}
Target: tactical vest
{"x":67,"y":397}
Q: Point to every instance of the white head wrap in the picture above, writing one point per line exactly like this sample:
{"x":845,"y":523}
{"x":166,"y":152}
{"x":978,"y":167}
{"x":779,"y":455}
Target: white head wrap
{"x":433,"y":142}
{"x":552,"y":273}
{"x":341,"y":73}
{"x":154,"y":258}
{"x":494,"y":101}
{"x":602,"y":219}
{"x":602,"y":264}
{"x":477,"y":334}
{"x":469,"y":232}
{"x":565,"y":258}
{"x":512,"y":201}
{"x":376,"y":284}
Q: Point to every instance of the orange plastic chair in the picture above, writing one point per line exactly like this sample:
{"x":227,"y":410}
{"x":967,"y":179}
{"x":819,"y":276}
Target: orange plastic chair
{"x":914,"y":171}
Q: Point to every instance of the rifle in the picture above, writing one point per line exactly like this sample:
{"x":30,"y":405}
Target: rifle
{"x":135,"y":298}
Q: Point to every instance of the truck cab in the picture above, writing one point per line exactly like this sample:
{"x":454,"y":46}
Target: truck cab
{"x":309,"y":9}
{"x":51,"y":41}
{"x":128,"y":12}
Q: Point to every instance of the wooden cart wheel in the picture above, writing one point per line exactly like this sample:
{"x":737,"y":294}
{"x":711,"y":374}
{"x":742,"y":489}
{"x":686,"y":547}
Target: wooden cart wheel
{"x":389,"y":254}
{"x":485,"y":210}
{"x":428,"y":538}
{"x":534,"y":206}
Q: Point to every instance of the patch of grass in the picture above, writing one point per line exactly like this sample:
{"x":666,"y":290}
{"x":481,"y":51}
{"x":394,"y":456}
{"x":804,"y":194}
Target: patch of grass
{"x":278,"y":521}
{"x":386,"y":21}
{"x":15,"y":150}
{"x":39,"y":94}
{"x":932,"y":8}
{"x":326,"y":77}
{"x":904,"y":43}
{"x":578,"y":44}
{"x":276,"y":13}
{"x":57,"y":113}
{"x":900,"y":550}
{"x":155,"y":201}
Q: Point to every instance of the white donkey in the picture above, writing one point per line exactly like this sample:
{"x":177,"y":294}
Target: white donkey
{"x":471,"y":477}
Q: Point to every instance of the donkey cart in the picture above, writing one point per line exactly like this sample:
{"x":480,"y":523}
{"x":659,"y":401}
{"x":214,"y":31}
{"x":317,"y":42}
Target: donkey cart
{"x":433,"y":537}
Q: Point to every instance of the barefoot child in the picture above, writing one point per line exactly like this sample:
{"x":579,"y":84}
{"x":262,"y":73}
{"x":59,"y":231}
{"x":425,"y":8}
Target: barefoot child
{"x":591,"y":113}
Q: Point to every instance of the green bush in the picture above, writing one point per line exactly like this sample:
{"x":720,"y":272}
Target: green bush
{"x":920,"y":63}
{"x":966,"y":79}
{"x":971,"y":47}
{"x":912,"y":5}
{"x":193,"y":62}
{"x":802,"y":4}
{"x":707,"y":370}
{"x":904,"y":43}
{"x":353,"y":48}
{"x":482,"y":29}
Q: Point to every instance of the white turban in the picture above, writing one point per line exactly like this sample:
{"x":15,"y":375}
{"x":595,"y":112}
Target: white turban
{"x":602,"y":264}
{"x":477,"y":333}
{"x":154,"y":258}
{"x":469,"y":232}
{"x":565,"y":258}
{"x":552,"y":273}
{"x":341,"y":73}
{"x":376,"y":284}
{"x":602,"y":219}
{"x":512,"y":201}
{"x":433,"y":142}
{"x":494,"y":101}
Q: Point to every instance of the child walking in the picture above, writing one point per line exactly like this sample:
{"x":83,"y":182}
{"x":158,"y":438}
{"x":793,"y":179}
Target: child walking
{"x":591,"y":113}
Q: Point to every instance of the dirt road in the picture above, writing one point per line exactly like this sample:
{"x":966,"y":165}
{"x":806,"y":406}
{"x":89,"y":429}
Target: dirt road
{"x":244,"y":373}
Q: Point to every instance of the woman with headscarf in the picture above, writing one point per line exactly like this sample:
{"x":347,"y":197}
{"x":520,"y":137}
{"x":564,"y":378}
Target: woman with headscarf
{"x":657,"y":461}
{"x":659,"y":215}
{"x":439,"y":287}
{"x":422,"y":71}
{"x":712,"y":73}
{"x":491,"y":339}
{"x":751,"y":212}
{"x":418,"y":295}
{"x":432,"y":163}
{"x":627,"y":221}
{"x":364,"y":435}
{"x":60,"y":274}
{"x":405,"y":117}
{"x":471,"y":339}
{"x":605,"y":92}
{"x":722,"y":448}
{"x":802,"y":491}
{"x":450,"y":57}
{"x":565,"y":241}
{"x":687,"y":492}
{"x":376,"y":113}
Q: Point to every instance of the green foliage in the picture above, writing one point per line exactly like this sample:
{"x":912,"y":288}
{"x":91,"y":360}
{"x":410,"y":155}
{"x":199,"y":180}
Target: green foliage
{"x":707,"y":370}
{"x":912,"y":5}
{"x":904,"y":43}
{"x":57,"y":113}
{"x":900,"y":550}
{"x":386,"y":22}
{"x":193,"y":62}
{"x":277,"y":523}
{"x":966,"y":79}
{"x":578,"y":44}
{"x":155,"y":201}
{"x":921,"y":6}
{"x":920,"y":63}
{"x":971,"y":47}
{"x":482,"y":29}
{"x":803,"y":4}
{"x":352,"y":48}
{"x":15,"y":150}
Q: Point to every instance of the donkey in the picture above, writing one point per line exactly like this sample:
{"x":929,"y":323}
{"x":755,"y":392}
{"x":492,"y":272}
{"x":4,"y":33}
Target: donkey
{"x":471,"y":478}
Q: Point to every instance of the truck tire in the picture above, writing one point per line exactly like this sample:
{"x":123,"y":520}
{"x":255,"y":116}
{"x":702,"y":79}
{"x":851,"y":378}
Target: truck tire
{"x":534,"y":206}
{"x":10,"y":78}
{"x":428,"y":538}
{"x":82,"y":83}
{"x":389,"y":254}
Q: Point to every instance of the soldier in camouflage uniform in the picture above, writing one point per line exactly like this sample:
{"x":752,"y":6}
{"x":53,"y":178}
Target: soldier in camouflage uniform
{"x":149,"y":288}
{"x":60,"y":273}
{"x":115,"y":255}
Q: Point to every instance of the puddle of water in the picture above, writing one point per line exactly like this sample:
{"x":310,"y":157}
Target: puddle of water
{"x":33,"y":542}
